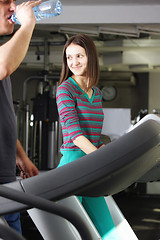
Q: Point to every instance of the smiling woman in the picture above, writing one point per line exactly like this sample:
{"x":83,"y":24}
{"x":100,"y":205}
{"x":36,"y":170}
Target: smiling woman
{"x":77,"y":61}
{"x":88,"y":49}
{"x":81,"y":116}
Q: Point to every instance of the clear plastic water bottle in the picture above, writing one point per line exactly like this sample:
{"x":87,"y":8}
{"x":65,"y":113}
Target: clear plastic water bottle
{"x":46,"y":9}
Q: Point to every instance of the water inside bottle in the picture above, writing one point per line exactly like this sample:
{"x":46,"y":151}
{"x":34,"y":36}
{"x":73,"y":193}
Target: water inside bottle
{"x":48,"y":6}
{"x":45,"y":6}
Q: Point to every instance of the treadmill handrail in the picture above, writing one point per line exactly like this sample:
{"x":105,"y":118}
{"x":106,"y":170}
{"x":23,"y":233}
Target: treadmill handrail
{"x":7,"y":233}
{"x":32,"y":201}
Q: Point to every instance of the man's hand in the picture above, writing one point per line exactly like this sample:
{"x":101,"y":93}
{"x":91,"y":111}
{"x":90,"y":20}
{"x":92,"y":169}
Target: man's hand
{"x":24,"y":12}
{"x":26,"y":167}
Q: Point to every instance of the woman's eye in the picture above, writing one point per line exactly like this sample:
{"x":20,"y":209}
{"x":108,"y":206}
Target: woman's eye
{"x":69,"y":58}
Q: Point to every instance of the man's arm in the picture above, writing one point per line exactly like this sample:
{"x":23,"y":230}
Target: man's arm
{"x":27,"y":168}
{"x":13,"y":52}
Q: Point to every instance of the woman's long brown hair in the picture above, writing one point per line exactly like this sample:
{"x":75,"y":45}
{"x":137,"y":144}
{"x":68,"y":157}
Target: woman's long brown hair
{"x":92,"y":73}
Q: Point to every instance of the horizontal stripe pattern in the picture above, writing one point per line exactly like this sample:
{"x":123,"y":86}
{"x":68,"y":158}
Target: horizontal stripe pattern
{"x":78,"y":114}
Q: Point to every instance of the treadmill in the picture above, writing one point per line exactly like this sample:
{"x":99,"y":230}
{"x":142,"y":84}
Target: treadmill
{"x":50,"y":198}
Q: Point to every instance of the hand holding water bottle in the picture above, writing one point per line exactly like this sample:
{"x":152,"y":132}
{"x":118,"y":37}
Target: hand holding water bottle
{"x":46,"y":9}
{"x":24,"y":12}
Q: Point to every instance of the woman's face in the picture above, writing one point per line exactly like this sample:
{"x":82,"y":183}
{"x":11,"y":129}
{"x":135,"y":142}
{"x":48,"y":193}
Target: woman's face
{"x":76,"y":59}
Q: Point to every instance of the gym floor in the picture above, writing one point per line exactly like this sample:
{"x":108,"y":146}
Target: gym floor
{"x":141,"y":210}
{"x":142,"y":213}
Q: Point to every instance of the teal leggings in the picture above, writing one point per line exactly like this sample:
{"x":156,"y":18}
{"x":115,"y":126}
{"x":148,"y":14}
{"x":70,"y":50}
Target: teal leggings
{"x":96,"y":208}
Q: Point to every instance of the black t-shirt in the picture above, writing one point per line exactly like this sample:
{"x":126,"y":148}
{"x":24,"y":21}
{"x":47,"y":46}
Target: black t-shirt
{"x":8,"y":133}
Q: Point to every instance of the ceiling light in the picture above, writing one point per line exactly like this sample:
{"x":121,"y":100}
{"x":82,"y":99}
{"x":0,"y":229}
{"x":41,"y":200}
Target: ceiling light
{"x":149,"y":29}
{"x":137,"y":66}
{"x":90,"y":32}
{"x":119,"y":31}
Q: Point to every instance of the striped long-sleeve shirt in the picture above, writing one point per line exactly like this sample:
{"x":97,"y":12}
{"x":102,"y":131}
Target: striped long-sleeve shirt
{"x":78,"y":114}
